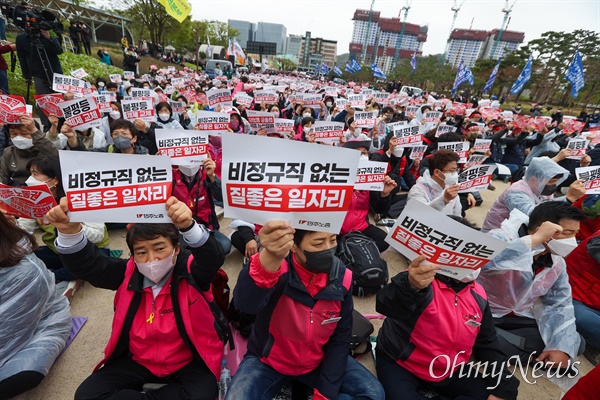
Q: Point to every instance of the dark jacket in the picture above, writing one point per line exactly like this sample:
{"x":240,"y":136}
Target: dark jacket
{"x":14,"y":161}
{"x":31,"y":64}
{"x":198,"y":195}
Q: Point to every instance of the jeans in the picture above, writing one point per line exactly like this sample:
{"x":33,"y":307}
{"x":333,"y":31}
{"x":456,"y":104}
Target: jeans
{"x":588,"y":323}
{"x":255,"y":380}
{"x":2,"y":29}
{"x":4,"y":81}
{"x":54,"y":264}
{"x":224,"y":242}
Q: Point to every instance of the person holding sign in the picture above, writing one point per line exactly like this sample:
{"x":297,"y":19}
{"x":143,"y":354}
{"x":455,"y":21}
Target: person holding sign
{"x":35,"y":320}
{"x":528,"y":286}
{"x":165,"y":326}
{"x":124,"y":134}
{"x":302,"y":296}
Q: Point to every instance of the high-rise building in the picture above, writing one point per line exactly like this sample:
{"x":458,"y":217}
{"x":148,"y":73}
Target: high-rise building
{"x":293,"y":44}
{"x":382,"y":36}
{"x":314,"y":50}
{"x":261,"y":32}
{"x":471,"y":45}
{"x":245,"y":28}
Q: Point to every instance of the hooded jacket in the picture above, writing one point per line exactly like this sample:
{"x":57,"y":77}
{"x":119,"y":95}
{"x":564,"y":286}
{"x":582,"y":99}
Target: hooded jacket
{"x":546,"y":144}
{"x":525,"y":194}
{"x":429,"y":192}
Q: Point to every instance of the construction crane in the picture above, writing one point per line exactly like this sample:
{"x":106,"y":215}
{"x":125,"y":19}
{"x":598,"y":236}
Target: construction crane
{"x":366,"y":44}
{"x":506,"y":10}
{"x":405,"y":9}
{"x":456,"y":9}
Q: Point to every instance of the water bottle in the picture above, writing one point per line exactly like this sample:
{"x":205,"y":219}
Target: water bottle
{"x":224,"y":381}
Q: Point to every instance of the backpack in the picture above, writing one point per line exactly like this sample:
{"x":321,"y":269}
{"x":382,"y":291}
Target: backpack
{"x":362,"y":329}
{"x":360,"y":254}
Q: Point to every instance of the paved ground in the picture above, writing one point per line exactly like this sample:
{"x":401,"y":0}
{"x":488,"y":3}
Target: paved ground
{"x":86,"y":351}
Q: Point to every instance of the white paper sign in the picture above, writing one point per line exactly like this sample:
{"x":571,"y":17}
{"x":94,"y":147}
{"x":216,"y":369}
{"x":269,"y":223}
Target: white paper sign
{"x":408,"y":135}
{"x":66,"y":84}
{"x":243,"y":99}
{"x":283,"y":125}
{"x":417,"y":152}
{"x":112,"y":187}
{"x":81,"y":114}
{"x":578,"y":148}
{"x":475,"y":159}
{"x":115,"y":78}
{"x":456,"y":248}
{"x":138,"y":109}
{"x":443,"y":128}
{"x":265,"y":96}
{"x":357,"y":101}
{"x":308,"y":185}
{"x":476,"y":178}
{"x":214,"y":123}
{"x":79,"y":73}
{"x":103,"y":100}
{"x":184,"y":147}
{"x":128,"y":75}
{"x":460,"y":148}
{"x":328,"y":132}
{"x":370,"y":175}
{"x":482,"y":145}
{"x":591,"y":178}
{"x":220,"y":97}
{"x":261,"y":119}
{"x":365,"y":119}
{"x":139,"y":92}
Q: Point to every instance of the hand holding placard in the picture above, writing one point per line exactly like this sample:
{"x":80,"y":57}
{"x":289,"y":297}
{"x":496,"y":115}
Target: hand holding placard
{"x":421,"y":273}
{"x":58,"y":217}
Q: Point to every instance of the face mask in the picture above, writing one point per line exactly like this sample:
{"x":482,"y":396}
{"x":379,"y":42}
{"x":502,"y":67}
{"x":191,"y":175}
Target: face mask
{"x":156,"y":270}
{"x":275,"y":114}
{"x":398,"y":151}
{"x":451,"y":178}
{"x":364,"y":157}
{"x":388,"y":117}
{"x":328,"y":104}
{"x":189,"y":170}
{"x":548,"y":190}
{"x":234,"y":125}
{"x":114,"y":114}
{"x":306,"y":115}
{"x":31,"y":181}
{"x":562,"y":247}
{"x":22,"y":143}
{"x":319,"y":261}
{"x":105,"y":52}
{"x":306,"y":130}
{"x":471,"y":277}
{"x":164,"y":117}
{"x":101,"y":84}
{"x":122,"y":143}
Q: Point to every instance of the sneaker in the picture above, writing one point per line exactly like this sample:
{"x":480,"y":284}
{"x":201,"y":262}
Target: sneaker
{"x":592,"y":354}
{"x":72,"y":288}
{"x":491,"y":187}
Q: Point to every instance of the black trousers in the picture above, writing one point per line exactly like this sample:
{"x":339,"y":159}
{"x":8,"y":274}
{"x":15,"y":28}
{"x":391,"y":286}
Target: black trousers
{"x":19,"y":383}
{"x":399,"y":384}
{"x":123,"y":379}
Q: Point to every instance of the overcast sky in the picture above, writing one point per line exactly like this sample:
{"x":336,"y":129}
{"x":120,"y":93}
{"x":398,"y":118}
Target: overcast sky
{"x":332,"y":19}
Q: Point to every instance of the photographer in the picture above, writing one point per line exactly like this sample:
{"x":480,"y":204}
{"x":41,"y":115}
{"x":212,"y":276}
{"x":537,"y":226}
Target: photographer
{"x":31,"y":62}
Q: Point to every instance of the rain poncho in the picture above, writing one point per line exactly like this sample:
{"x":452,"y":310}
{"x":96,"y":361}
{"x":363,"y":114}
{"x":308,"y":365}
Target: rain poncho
{"x":546,"y":145}
{"x":525,"y":194}
{"x":35,"y":320}
{"x":546,"y":297}
{"x":427,"y":191}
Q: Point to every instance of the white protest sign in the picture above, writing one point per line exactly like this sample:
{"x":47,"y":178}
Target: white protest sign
{"x":243,"y":99}
{"x":408,"y":135}
{"x":412,"y":110}
{"x":81,"y":114}
{"x":184,"y":147}
{"x":112,"y":187}
{"x":220,"y":97}
{"x":26,"y":201}
{"x":328,"y":132}
{"x":456,"y":248}
{"x":591,"y":178}
{"x":381,"y":97}
{"x":357,"y":101}
{"x":178,"y":107}
{"x":433,"y":116}
{"x":309,"y":186}
{"x":578,"y":148}
{"x":312,"y":100}
{"x":265,"y":96}
{"x":476,"y":178}
{"x":365,"y":119}
{"x":212,"y":122}
{"x":443,"y":128}
{"x":460,"y":148}
{"x":370,"y":175}
{"x":103,"y":100}
{"x":283,"y":125}
{"x":261,"y":119}
{"x":482,"y":145}
{"x":178,"y":82}
{"x":128,"y":75}
{"x":341,"y":103}
{"x":138,"y":109}
{"x":139,"y":92}
{"x":65,"y":84}
{"x":79,"y":73}
{"x":417,"y":152}
{"x":475,"y":159}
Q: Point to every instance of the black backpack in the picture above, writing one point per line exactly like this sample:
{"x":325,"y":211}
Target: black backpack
{"x":361,"y":255}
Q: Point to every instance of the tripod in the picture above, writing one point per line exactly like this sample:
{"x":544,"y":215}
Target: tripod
{"x":37,"y":46}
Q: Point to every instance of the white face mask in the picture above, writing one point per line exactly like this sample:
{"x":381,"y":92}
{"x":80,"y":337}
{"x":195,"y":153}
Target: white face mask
{"x":164,"y":117}
{"x":451,"y":178}
{"x":364,"y":157}
{"x":306,"y":115}
{"x":307,"y":130}
{"x":189,"y":170}
{"x":398,"y":151}
{"x":115,"y":114}
{"x":31,"y":181}
{"x":101,"y":84}
{"x":156,"y":270}
{"x":22,"y":143}
{"x":328,"y":104}
{"x":275,"y":114}
{"x":472,"y":276}
{"x":562,"y":247}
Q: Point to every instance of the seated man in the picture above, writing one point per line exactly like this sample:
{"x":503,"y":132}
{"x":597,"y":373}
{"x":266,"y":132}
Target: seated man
{"x":583,"y":267}
{"x":438,"y":187}
{"x":303,"y":328}
{"x":124,"y":135}
{"x":164,"y":329}
{"x":528,"y":286}
{"x":539,"y":184}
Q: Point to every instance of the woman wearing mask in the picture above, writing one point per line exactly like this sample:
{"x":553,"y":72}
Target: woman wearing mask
{"x":115,"y":113}
{"x":188,"y":118}
{"x":305,"y":133}
{"x":91,"y":138}
{"x":164,"y":117}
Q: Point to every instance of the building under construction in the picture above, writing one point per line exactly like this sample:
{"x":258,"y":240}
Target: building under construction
{"x":471,"y":45}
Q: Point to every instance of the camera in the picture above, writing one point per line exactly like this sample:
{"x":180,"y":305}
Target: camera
{"x":32,"y":21}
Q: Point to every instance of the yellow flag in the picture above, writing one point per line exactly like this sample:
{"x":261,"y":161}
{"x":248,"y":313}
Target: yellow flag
{"x":178,"y":9}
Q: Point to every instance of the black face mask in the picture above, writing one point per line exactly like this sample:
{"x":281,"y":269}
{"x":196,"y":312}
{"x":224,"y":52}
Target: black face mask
{"x":548,"y":190}
{"x":319,"y":261}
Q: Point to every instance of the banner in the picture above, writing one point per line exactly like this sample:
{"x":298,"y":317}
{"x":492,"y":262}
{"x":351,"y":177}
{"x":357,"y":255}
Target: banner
{"x":591,"y":177}
{"x":26,"y":201}
{"x":184,"y":147}
{"x":138,"y":109}
{"x":178,"y":9}
{"x":408,"y":135}
{"x":215,"y":123}
{"x":476,"y":178}
{"x":523,"y":77}
{"x":578,"y":148}
{"x":370,"y":175}
{"x":11,"y":109}
{"x":220,"y":97}
{"x":265,"y":96}
{"x":310,"y":186}
{"x":460,"y":148}
{"x":48,"y":103}
{"x":261,"y":119}
{"x":81,"y":114}
{"x":111,"y":187}
{"x":66,"y":84}
{"x":456,"y":248}
{"x":575,"y":75}
{"x":328,"y":132}
{"x":417,"y":152}
{"x":365,"y":119}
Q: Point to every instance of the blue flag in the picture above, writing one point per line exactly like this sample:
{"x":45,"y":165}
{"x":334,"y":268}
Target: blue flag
{"x":463,"y":75}
{"x":523,"y":78}
{"x":413,"y":62}
{"x":356,"y":66}
{"x":492,"y":78}
{"x":377,"y":72}
{"x":349,"y":68}
{"x":575,"y":74}
{"x":337,"y":70}
{"x":324,"y":68}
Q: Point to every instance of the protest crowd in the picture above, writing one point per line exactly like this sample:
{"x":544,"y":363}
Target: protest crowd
{"x":319,"y":179}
